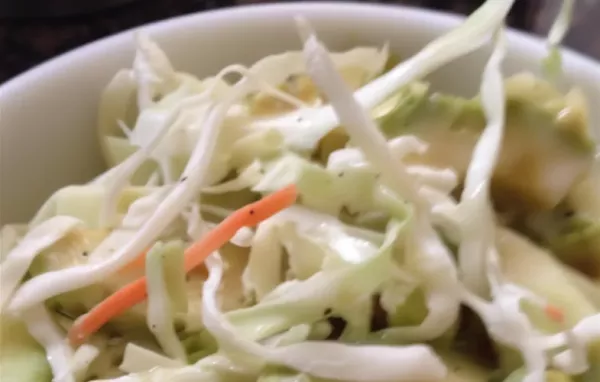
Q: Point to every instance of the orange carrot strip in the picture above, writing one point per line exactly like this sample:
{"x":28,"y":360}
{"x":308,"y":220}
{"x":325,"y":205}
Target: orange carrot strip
{"x":137,"y":264}
{"x":555,"y":313}
{"x":136,"y":292}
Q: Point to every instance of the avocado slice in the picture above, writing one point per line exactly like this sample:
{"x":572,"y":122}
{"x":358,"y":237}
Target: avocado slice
{"x":530,"y":266}
{"x":547,"y":147}
{"x":572,"y":236}
{"x":572,"y":229}
{"x":578,"y":245}
{"x":585,"y":196}
{"x":577,"y":241}
{"x":22,"y":359}
{"x":589,"y":287}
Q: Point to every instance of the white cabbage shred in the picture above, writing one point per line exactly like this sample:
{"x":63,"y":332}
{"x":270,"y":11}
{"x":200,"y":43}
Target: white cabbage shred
{"x":42,"y":328}
{"x":14,"y":267}
{"x":431,"y":256}
{"x":358,"y":363}
{"x":558,"y":31}
{"x":160,"y":311}
{"x":305,"y":127}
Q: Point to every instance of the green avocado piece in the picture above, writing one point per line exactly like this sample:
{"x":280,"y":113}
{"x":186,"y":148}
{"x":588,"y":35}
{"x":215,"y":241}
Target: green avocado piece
{"x":572,"y":236}
{"x":547,"y":147}
{"x":22,"y":359}
{"x":530,"y":266}
{"x":572,"y":229}
{"x":519,"y":256}
{"x":589,"y":287}
{"x":579,"y":246}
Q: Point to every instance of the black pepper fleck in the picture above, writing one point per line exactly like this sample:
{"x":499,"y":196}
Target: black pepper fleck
{"x":183,"y":179}
{"x":251,"y":212}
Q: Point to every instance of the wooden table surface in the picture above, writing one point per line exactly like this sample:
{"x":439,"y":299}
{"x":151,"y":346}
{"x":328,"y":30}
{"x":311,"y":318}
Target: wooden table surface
{"x":27,"y":41}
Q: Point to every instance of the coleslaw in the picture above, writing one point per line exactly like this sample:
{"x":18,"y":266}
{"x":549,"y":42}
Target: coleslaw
{"x":319,"y":216}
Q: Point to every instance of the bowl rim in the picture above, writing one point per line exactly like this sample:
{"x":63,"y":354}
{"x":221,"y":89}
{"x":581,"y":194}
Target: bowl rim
{"x":442,"y":20}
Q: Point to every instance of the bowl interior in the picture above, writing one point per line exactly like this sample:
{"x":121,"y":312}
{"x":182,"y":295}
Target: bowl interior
{"x":47,"y":123}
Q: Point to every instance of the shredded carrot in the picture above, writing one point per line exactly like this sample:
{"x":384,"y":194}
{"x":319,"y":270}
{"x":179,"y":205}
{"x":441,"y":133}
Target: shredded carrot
{"x":555,"y":313}
{"x":136,"y":292}
{"x":137,"y":264}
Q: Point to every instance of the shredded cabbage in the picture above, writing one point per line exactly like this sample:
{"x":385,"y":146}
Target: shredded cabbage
{"x":558,"y":31}
{"x":276,"y":69}
{"x":53,"y":283}
{"x":477,"y":225}
{"x":305,"y":127}
{"x":59,"y":354}
{"x":83,"y":358}
{"x":153,"y":72}
{"x":138,"y":359}
{"x":439,"y":268}
{"x":337,"y":285}
{"x":585,"y":333}
{"x":264,"y":270}
{"x":160,"y":311}
{"x":358,"y":363}
{"x":18,"y":260}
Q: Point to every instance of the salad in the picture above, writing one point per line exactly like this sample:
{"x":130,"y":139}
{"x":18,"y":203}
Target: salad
{"x":316,"y":217}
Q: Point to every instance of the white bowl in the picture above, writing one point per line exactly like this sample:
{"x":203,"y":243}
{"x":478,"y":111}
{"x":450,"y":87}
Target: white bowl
{"x":47,"y":117}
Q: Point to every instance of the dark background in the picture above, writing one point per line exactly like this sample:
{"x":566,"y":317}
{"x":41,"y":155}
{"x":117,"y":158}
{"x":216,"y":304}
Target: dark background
{"x":32,"y":31}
